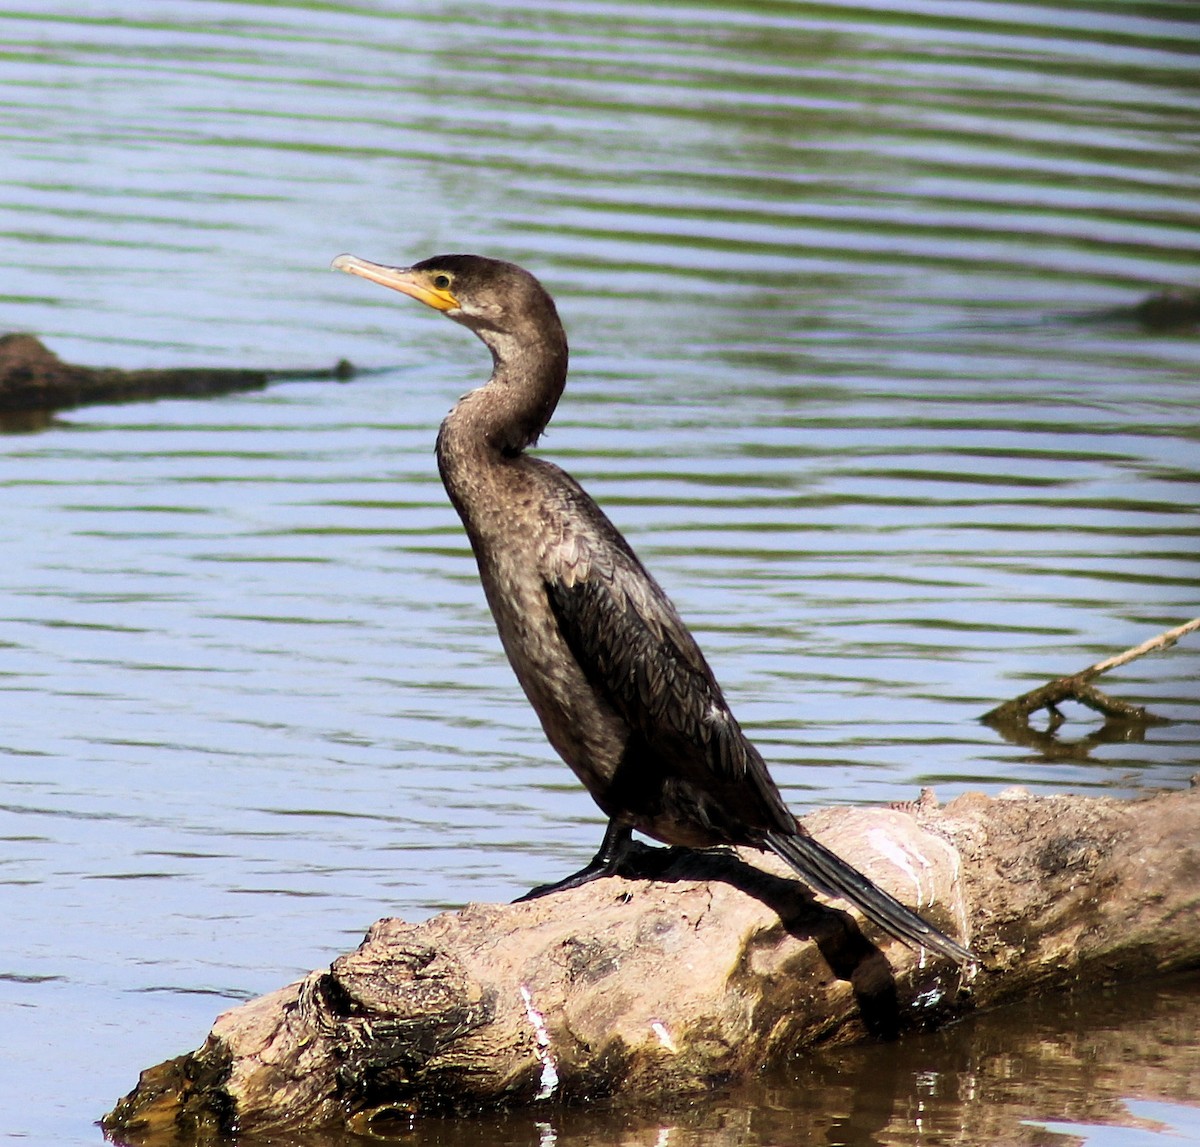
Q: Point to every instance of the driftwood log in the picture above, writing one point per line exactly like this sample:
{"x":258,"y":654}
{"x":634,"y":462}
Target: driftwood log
{"x":711,"y":966}
{"x":33,"y":378}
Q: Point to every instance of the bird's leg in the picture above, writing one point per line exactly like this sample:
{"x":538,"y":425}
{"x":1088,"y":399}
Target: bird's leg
{"x":616,"y":845}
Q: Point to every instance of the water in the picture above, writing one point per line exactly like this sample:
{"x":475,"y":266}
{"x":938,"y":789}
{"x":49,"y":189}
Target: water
{"x":838,"y":280}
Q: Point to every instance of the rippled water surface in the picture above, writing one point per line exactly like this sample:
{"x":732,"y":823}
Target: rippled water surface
{"x":855,"y":367}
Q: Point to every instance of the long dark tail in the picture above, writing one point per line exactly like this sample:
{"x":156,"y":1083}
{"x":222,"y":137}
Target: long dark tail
{"x":829,"y":873}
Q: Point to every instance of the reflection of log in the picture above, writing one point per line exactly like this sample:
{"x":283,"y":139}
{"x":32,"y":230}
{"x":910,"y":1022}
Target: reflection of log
{"x":1064,"y":1056}
{"x":701,"y":975}
{"x":1078,"y":687}
{"x":34,"y":378}
{"x":1075,"y":1056}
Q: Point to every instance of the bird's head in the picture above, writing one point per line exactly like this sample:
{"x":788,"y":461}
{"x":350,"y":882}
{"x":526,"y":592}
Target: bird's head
{"x":485,"y":295}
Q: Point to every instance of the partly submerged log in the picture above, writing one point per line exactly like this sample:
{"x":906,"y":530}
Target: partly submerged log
{"x":33,"y":378}
{"x":714,"y":967}
{"x":1172,"y":309}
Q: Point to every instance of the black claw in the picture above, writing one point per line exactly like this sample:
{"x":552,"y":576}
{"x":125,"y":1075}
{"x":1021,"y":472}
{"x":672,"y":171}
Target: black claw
{"x":617,"y":843}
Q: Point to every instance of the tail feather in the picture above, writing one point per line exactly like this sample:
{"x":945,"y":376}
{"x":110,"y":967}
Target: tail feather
{"x":829,"y":873}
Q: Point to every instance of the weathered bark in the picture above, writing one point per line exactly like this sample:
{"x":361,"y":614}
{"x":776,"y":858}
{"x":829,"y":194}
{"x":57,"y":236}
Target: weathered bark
{"x":33,"y":378}
{"x":712,"y":968}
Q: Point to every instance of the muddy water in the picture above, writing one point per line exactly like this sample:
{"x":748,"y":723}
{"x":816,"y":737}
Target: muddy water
{"x":854,"y":367}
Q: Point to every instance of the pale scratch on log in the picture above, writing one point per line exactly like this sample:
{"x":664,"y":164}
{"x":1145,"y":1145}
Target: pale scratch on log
{"x":549,"y":1080}
{"x":902,"y":858}
{"x":960,"y":900}
{"x":916,"y":865}
{"x":664,"y":1036}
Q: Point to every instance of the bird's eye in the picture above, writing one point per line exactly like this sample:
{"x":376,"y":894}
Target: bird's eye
{"x":442,"y":282}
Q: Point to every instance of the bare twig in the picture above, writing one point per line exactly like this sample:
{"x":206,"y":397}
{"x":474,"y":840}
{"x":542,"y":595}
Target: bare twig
{"x":1078,"y":687}
{"x":1163,"y":641}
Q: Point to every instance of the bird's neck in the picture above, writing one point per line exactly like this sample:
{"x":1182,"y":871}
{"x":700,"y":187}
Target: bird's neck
{"x":496,"y":422}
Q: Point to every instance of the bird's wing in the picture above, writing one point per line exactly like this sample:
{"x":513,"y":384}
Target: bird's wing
{"x":638,"y":655}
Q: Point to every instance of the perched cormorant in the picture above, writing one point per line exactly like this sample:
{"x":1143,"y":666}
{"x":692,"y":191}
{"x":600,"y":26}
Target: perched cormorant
{"x":621,"y":688}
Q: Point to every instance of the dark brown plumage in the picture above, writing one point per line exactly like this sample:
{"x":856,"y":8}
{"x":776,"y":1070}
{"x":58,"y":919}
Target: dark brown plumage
{"x":621,"y":688}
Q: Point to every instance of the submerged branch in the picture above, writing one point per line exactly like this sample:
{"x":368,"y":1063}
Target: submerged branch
{"x":1078,"y":687}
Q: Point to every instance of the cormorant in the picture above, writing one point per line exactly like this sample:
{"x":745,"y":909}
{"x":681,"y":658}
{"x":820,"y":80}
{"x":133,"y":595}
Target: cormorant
{"x":621,"y":688}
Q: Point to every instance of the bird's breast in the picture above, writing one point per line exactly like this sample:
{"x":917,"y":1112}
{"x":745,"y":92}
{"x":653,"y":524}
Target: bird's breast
{"x":520,"y":528}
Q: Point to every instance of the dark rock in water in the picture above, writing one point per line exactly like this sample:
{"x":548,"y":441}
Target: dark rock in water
{"x":33,"y":378}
